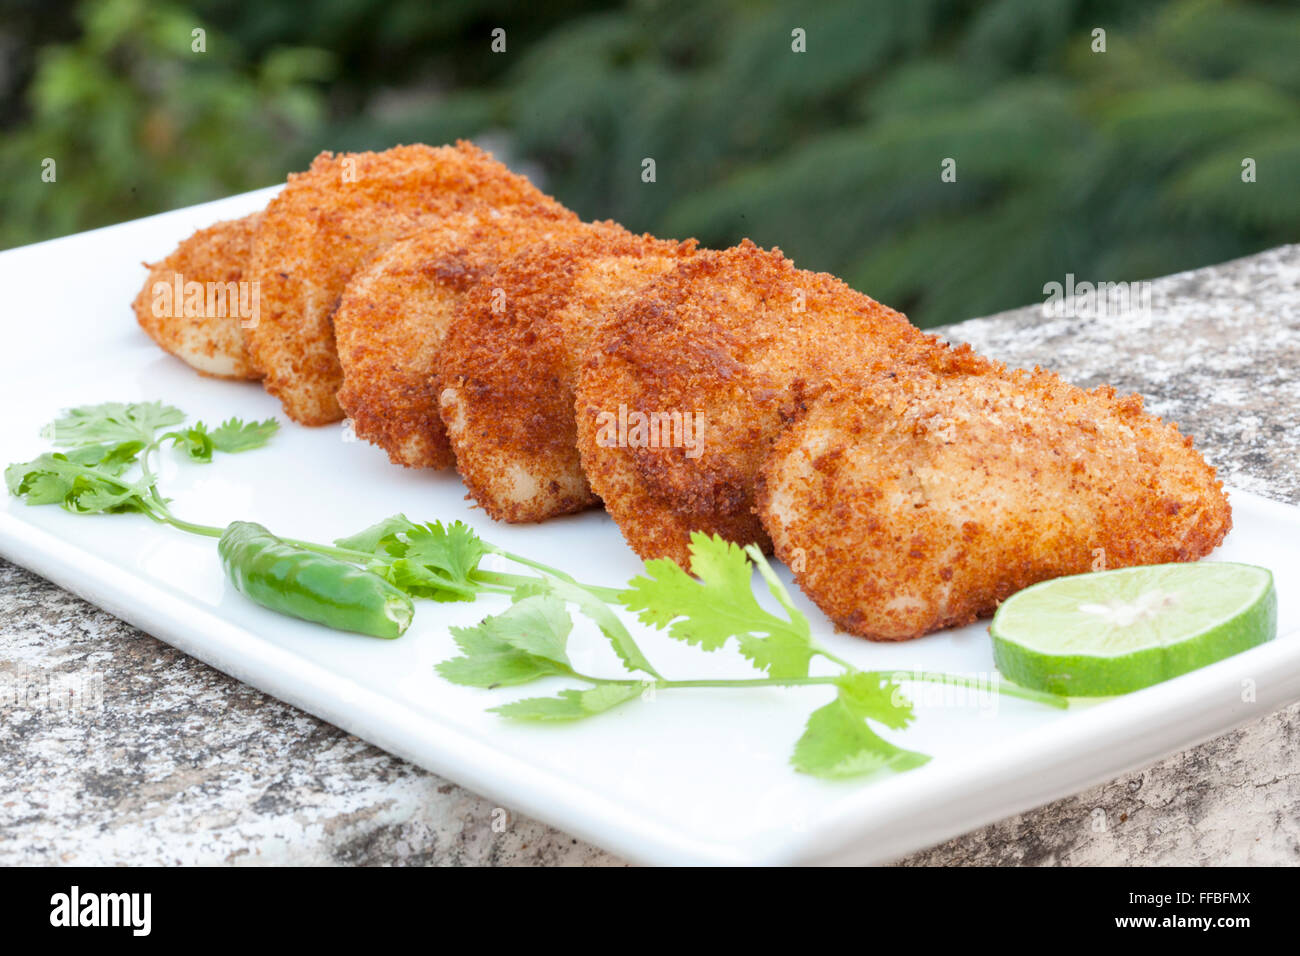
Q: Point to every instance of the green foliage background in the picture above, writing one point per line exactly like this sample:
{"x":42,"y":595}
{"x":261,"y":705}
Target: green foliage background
{"x":1118,"y":165}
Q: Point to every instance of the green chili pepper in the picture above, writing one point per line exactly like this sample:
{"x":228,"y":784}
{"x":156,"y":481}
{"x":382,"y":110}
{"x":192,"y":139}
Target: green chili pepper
{"x":311,"y":586}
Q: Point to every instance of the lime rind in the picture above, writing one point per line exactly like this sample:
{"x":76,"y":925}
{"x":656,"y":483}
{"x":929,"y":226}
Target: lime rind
{"x":1097,"y":635}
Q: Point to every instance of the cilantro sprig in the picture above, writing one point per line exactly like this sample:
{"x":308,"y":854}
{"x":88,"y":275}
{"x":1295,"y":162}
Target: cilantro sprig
{"x":711,"y":608}
{"x":103,"y":444}
{"x":105,"y":465}
{"x":230,"y":436}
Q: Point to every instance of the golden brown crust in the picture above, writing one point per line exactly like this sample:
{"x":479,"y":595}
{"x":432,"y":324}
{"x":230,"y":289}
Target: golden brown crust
{"x":393,"y":319}
{"x":918,"y":502}
{"x":210,"y":340}
{"x":737,"y":338}
{"x":325,"y":225}
{"x":510,"y":363}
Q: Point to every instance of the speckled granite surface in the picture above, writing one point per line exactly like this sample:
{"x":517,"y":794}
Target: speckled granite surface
{"x":156,"y":758}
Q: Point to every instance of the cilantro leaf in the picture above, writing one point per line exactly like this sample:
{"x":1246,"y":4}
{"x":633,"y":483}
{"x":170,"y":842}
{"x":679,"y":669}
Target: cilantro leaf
{"x":417,"y":580}
{"x":838,"y":742}
{"x":424,"y":559}
{"x":872,"y":696}
{"x":22,"y":478}
{"x":111,"y":422}
{"x":199,"y":442}
{"x":718,"y":604}
{"x":368,"y":540}
{"x":54,"y":479}
{"x":112,"y":458}
{"x":195,"y":441}
{"x":570,"y":704}
{"x":233,"y":435}
{"x":37,"y":487}
{"x":453,"y":549}
{"x":95,"y":496}
{"x":538,"y":625}
{"x":488,"y":661}
{"x":600,"y":614}
{"x":523,"y":643}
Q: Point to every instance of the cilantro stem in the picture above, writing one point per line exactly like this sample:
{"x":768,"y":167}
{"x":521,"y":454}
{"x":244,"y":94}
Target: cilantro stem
{"x":206,"y":530}
{"x":501,"y":582}
{"x":749,"y":682}
{"x":147,"y":475}
{"x":1003,"y":686}
{"x":608,"y":595}
{"x":345,"y":554}
{"x":508,"y":581}
{"x":155,"y":506}
{"x":166,"y":515}
{"x":933,"y":677}
{"x":106,"y":476}
{"x":833,"y":658}
{"x":665,"y":684}
{"x":357,"y":557}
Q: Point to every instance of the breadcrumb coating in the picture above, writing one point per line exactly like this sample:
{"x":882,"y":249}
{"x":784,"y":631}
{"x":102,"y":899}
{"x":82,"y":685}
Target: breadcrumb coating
{"x":461,"y":316}
{"x":392,"y":322}
{"x":511,"y":361}
{"x":325,"y":225}
{"x":211,"y":340}
{"x":735,"y":338}
{"x":911,"y":502}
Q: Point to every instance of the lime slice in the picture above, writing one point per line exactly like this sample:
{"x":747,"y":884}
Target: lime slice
{"x":1094,"y":635}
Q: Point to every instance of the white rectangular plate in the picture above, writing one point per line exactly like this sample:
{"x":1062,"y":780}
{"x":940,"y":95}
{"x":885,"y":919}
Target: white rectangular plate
{"x":690,"y":777}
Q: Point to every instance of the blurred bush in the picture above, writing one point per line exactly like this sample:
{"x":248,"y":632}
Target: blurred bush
{"x":136,"y":122}
{"x":1118,"y":165}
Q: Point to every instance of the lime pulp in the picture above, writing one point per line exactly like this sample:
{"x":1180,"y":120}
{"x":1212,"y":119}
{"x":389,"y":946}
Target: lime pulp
{"x":1111,"y":632}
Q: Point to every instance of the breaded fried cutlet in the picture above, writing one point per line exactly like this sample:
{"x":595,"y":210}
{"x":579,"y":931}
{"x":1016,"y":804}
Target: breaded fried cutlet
{"x":392,"y":321}
{"x":207,"y":332}
{"x":916,"y":502}
{"x":730,"y":339}
{"x":511,"y":359}
{"x":326,"y":224}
